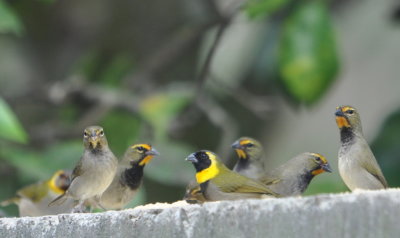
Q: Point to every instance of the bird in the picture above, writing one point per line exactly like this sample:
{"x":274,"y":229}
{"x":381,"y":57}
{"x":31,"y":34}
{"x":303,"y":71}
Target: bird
{"x":93,"y":173}
{"x":193,"y":193}
{"x":293,"y":177}
{"x":357,"y":164}
{"x":250,"y":153}
{"x":33,"y":199}
{"x":129,"y":176}
{"x":217,"y":182}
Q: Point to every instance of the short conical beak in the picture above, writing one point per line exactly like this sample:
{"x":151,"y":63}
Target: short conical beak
{"x":326,"y":167}
{"x":339,"y":113}
{"x":94,"y":141}
{"x":236,"y":145}
{"x":152,"y":152}
{"x":192,"y":158}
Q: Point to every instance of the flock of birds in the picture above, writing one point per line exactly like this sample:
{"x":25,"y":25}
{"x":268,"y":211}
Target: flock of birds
{"x":99,"y":180}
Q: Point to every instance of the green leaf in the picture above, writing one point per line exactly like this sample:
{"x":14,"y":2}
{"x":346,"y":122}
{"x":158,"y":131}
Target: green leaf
{"x":10,"y":128}
{"x":308,"y":60}
{"x":9,"y":21}
{"x":257,"y":8}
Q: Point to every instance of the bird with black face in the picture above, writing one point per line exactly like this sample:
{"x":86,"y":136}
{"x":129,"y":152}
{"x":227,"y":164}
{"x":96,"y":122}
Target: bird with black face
{"x":357,"y":164}
{"x":250,"y":153}
{"x":129,"y":176}
{"x":33,"y":199}
{"x":93,"y":173}
{"x":293,"y":177}
{"x":217,"y":182}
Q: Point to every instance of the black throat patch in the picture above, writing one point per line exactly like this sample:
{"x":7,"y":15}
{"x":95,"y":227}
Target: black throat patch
{"x":242,"y":164}
{"x":346,"y":135}
{"x":133,"y":176}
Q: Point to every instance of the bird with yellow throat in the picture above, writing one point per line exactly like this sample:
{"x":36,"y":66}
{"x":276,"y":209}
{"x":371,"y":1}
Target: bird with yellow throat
{"x":217,"y":182}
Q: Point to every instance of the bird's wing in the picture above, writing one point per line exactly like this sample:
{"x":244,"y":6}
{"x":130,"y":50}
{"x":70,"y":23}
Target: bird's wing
{"x":235,"y":183}
{"x":373,"y":168}
{"x":78,"y":171}
{"x":269,"y":180}
{"x":34,"y":192}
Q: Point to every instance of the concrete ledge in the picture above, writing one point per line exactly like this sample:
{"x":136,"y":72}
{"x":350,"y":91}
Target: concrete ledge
{"x":363,"y":214}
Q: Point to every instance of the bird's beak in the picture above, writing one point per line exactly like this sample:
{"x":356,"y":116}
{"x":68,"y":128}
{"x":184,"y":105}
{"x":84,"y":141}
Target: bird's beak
{"x":93,"y":140}
{"x":152,"y":152}
{"x":341,"y":119}
{"x":192,"y":158}
{"x":326,"y":167}
{"x":236,"y":145}
{"x":239,"y":150}
{"x":339,"y":113}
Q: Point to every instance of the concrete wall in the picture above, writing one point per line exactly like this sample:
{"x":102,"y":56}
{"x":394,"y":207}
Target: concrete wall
{"x":364,"y":214}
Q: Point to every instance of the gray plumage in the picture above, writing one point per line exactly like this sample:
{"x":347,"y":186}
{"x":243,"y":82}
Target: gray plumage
{"x":250,"y":162}
{"x":293,"y":177}
{"x":128,"y":178}
{"x":357,"y":164}
{"x":94,"y":172}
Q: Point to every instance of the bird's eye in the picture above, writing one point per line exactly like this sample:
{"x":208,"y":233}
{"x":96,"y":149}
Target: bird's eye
{"x":101,"y":133}
{"x":249,"y":145}
{"x":85,"y":134}
{"x":318,"y":159}
{"x":350,"y":111}
{"x":140,"y":148}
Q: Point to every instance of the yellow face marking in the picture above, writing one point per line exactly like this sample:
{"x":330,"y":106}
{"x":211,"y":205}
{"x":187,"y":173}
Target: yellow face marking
{"x":241,"y":153}
{"x":342,"y":122}
{"x":195,"y":190}
{"x":146,"y":146}
{"x":146,"y":160}
{"x":323,"y":159}
{"x":52,"y":183}
{"x":347,"y":108}
{"x":208,"y":173}
{"x":245,"y":142}
{"x":317,"y":171}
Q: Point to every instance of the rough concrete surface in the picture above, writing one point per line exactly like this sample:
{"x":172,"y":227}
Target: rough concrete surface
{"x":360,"y":214}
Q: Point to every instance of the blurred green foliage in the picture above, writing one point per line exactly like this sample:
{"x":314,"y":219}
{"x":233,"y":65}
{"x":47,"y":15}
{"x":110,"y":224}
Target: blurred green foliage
{"x":10,"y":127}
{"x":9,"y":21}
{"x":308,"y":57}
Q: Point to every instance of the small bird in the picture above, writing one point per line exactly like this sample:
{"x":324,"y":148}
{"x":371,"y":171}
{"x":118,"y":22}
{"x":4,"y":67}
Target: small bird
{"x":293,"y":177}
{"x":93,"y":173}
{"x":357,"y":164}
{"x":129,"y":176}
{"x":33,"y":199}
{"x":193,"y":193}
{"x":217,"y":182}
{"x":250,"y":153}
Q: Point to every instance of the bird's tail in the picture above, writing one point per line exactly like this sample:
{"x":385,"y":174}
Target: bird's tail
{"x":7,"y":202}
{"x":59,"y":200}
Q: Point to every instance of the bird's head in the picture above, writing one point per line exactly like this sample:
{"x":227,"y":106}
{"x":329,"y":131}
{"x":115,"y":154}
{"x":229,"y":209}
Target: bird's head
{"x":206,"y":163}
{"x":94,"y":138}
{"x":347,"y":118}
{"x":60,"y":181}
{"x":248,"y":148}
{"x":141,"y":154}
{"x":316,"y":163}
